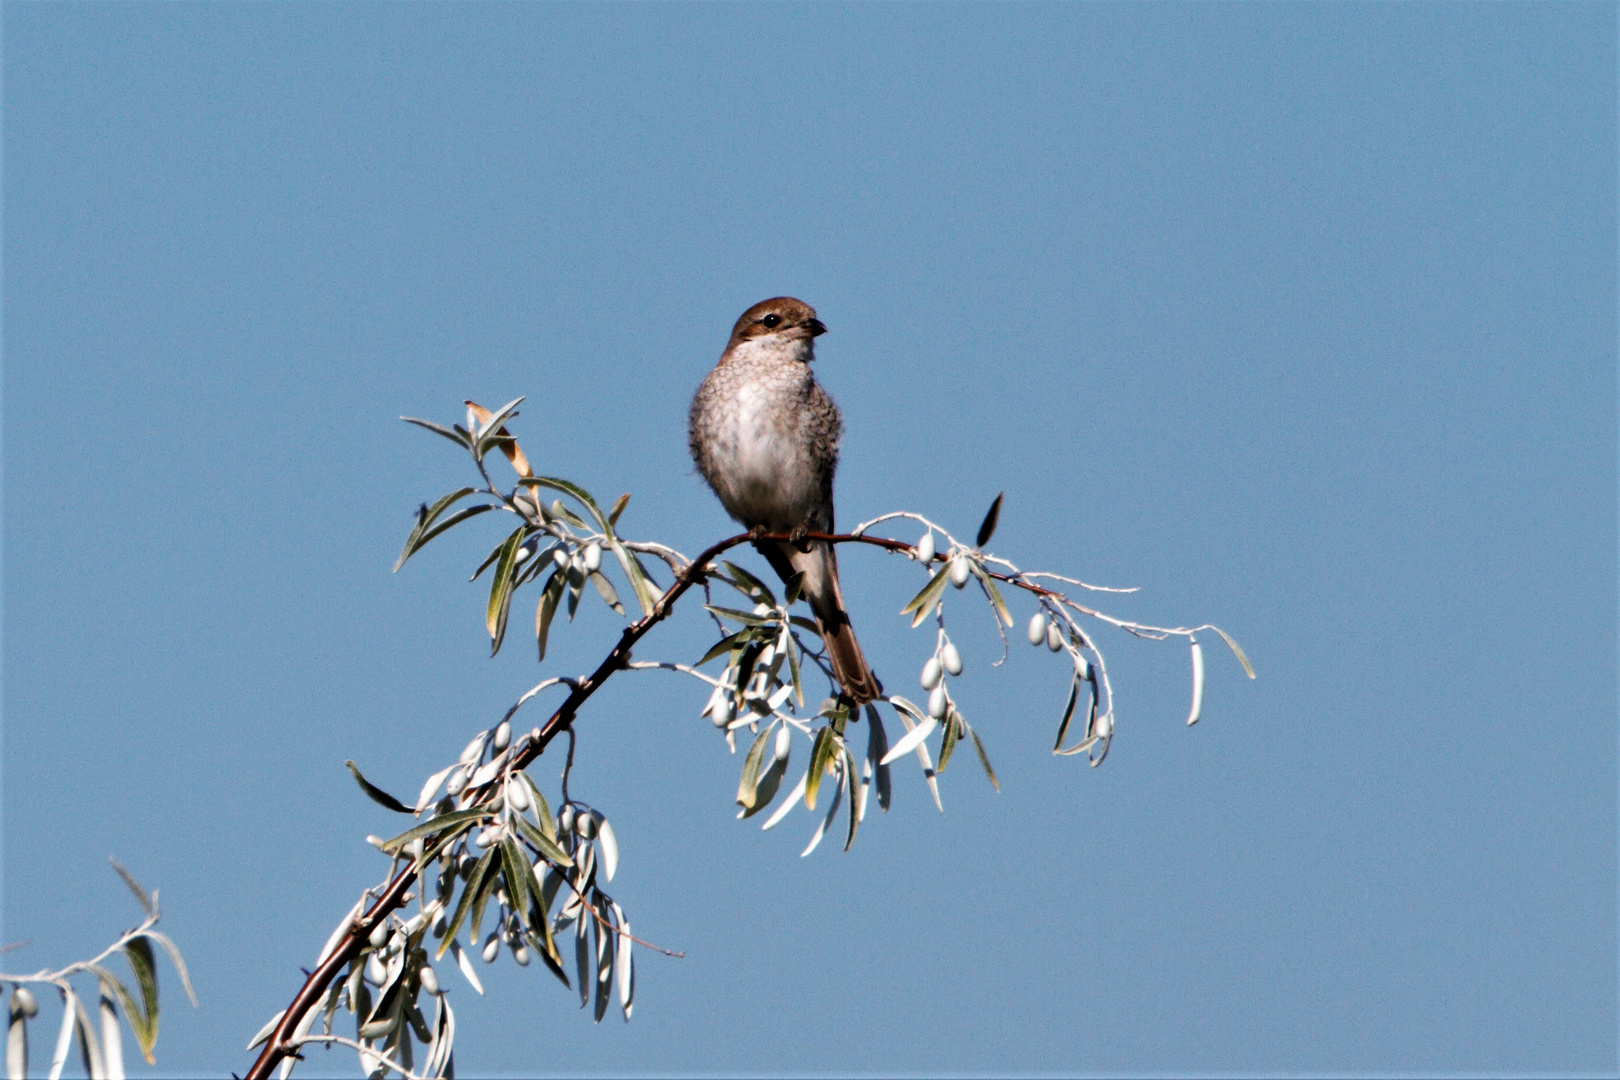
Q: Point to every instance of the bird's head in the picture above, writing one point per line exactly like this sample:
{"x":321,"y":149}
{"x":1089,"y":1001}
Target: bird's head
{"x":778,"y":323}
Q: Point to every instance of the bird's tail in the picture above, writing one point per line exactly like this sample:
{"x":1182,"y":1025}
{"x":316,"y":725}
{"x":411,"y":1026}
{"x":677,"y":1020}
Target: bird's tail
{"x":819,"y":566}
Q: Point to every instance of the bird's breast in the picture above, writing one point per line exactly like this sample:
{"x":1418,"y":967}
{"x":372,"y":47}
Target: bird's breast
{"x":758,"y":459}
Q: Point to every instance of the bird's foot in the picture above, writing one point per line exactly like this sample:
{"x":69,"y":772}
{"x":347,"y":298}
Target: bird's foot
{"x":798,"y":537}
{"x":757,"y":531}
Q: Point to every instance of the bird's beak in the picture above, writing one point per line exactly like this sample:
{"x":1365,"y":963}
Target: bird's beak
{"x":815,"y":327}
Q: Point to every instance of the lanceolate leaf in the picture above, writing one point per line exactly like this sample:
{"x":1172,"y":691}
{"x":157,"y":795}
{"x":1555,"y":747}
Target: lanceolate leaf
{"x":993,"y":593}
{"x":1068,"y":714}
{"x":639,"y":584}
{"x":852,"y":775}
{"x":724,"y":645}
{"x":922,"y":605}
{"x":987,"y":528}
{"x":820,"y":753}
{"x":500,"y":589}
{"x":377,"y":794}
{"x":578,"y":493}
{"x":453,"y":820}
{"x":518,"y":874}
{"x":474,"y":882}
{"x":750,"y":585}
{"x":877,"y":745}
{"x":618,"y":508}
{"x":1237,"y":651}
{"x":549,"y":598}
{"x":605,"y":589}
{"x":984,"y":759}
{"x":747,"y":785}
{"x":144,"y":966}
{"x":947,"y":745}
{"x":910,"y":740}
{"x":439,"y":429}
{"x":542,"y":843}
{"x":428,"y":525}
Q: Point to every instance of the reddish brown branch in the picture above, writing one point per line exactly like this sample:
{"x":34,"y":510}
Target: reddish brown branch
{"x":276,"y":1048}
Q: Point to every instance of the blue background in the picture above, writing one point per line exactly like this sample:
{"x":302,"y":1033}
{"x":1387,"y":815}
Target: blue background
{"x":1300,"y":317}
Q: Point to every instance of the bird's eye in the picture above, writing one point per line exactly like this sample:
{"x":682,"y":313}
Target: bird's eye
{"x":771,"y":322}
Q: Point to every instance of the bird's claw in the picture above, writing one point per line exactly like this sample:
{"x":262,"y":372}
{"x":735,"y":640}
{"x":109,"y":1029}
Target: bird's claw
{"x":798,"y":536}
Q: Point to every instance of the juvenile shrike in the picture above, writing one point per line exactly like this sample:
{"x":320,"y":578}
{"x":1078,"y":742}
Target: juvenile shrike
{"x":765,"y":436}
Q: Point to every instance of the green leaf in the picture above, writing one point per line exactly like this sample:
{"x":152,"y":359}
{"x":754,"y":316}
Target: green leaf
{"x":990,"y":590}
{"x":426,"y":529}
{"x":377,"y":794}
{"x":440,"y":429}
{"x":113,"y":986}
{"x":984,"y":759}
{"x":453,"y":820}
{"x":1237,"y":651}
{"x":748,"y":584}
{"x":747,"y":618}
{"x":542,"y":843}
{"x":922,"y":605}
{"x":474,"y":882}
{"x":605,"y":588}
{"x":855,"y":796}
{"x":542,"y":808}
{"x":947,"y":744}
{"x":724,"y":645}
{"x":747,"y":786}
{"x":877,"y":745}
{"x":987,"y":529}
{"x":820,"y":753}
{"x":547,"y":608}
{"x":577,"y":492}
{"x":1068,"y":713}
{"x":618,"y":508}
{"x":485,"y":891}
{"x":519,"y":875}
{"x":637,"y":577}
{"x":177,"y":960}
{"x":500,"y":589}
{"x":770,"y":782}
{"x":793,"y":668}
{"x":138,"y":952}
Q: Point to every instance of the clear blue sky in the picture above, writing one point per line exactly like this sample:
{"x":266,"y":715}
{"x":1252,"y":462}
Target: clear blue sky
{"x":1302,"y":318}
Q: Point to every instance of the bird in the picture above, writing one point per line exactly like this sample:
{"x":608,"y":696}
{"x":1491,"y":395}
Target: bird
{"x":765,"y":435}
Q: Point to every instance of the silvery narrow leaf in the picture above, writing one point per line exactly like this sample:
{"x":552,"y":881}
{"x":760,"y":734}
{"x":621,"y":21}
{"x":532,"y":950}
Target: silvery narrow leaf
{"x":604,"y":967}
{"x":89,"y":1046}
{"x":832,"y":810}
{"x":64,"y":1037}
{"x":622,"y":964}
{"x":112,"y":1041}
{"x":792,"y":800}
{"x":951,"y":658}
{"x":1037,"y":628}
{"x":1198,"y":683}
{"x":1236,"y":650}
{"x":820,"y":755}
{"x":781,"y":695}
{"x":1068,"y":714}
{"x":17,"y":1047}
{"x":605,"y":589}
{"x":877,"y":744}
{"x":464,"y":963}
{"x":431,"y":788}
{"x":582,"y":956}
{"x":610,"y":848}
{"x":264,"y":1032}
{"x":857,"y":797}
{"x":339,"y":933}
{"x":925,"y":548}
{"x":906,"y":711}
